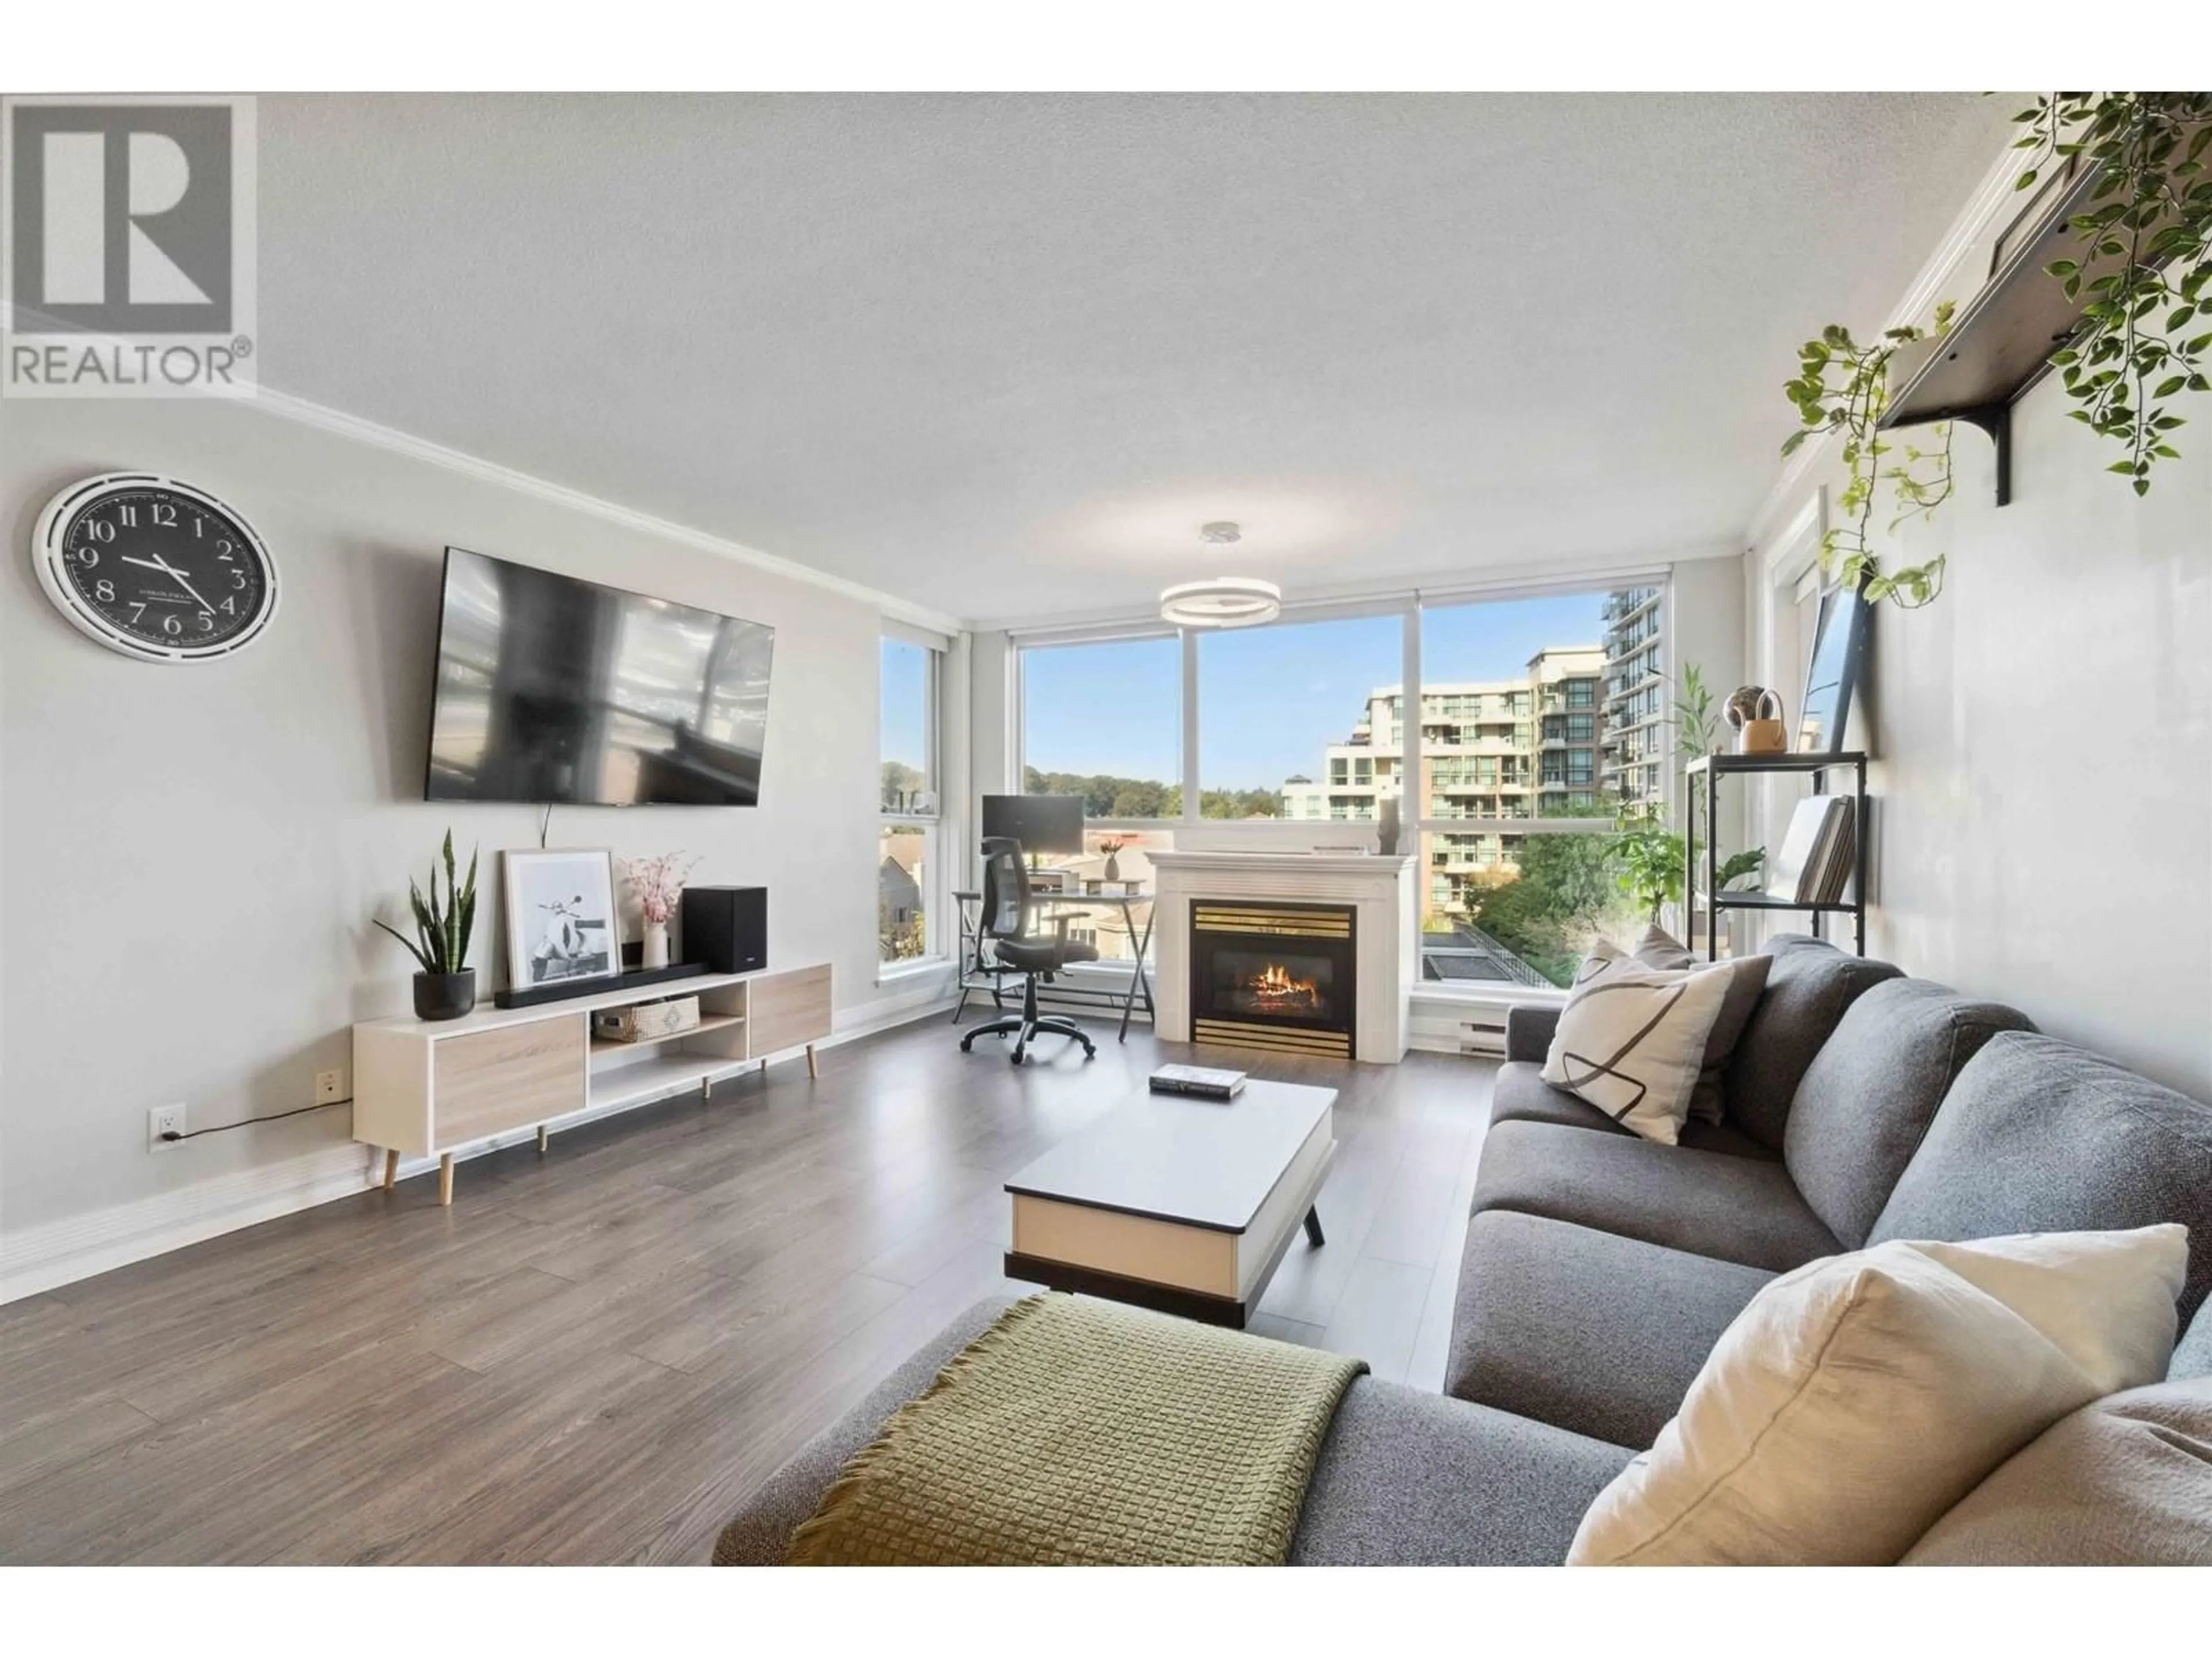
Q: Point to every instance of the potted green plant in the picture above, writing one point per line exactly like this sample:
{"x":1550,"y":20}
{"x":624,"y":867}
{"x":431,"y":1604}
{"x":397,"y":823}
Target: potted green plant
{"x":445,"y":989}
{"x":1697,"y":734}
{"x":1647,"y":859}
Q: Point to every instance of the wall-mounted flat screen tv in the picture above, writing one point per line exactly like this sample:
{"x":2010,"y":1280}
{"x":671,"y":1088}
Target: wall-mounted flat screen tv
{"x":559,"y":691}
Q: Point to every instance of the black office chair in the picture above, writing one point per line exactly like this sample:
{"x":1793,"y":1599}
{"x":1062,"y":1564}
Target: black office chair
{"x":1014,"y":948}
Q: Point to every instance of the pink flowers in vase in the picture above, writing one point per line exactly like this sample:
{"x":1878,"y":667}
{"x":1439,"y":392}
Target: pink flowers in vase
{"x":657,"y":884}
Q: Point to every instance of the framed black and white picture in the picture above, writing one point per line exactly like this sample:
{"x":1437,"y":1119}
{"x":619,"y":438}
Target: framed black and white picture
{"x":1832,"y":677}
{"x":562,"y":924}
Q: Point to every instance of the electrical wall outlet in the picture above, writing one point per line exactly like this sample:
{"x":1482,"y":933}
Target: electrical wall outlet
{"x":164,"y":1120}
{"x":330,"y":1086}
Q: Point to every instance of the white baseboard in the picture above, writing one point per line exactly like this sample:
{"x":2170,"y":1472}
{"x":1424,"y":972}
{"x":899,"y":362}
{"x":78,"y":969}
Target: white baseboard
{"x":62,"y":1252}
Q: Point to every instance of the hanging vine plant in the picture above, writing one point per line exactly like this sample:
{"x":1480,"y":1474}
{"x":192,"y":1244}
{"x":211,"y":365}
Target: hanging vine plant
{"x":1842,"y":387}
{"x":2150,"y":210}
{"x":2144,"y":338}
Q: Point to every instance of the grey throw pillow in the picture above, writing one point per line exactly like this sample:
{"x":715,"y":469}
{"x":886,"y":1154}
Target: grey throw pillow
{"x":1660,"y":949}
{"x":2124,"y":1481}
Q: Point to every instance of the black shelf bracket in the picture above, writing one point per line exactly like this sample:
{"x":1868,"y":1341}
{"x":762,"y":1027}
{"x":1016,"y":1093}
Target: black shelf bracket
{"x":1995,"y":420}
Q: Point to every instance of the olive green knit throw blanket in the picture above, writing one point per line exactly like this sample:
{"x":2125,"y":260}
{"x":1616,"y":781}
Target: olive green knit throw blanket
{"x":1076,"y":1433}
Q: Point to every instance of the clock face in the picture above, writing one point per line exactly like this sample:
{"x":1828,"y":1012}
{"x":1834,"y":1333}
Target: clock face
{"x":155,"y":569}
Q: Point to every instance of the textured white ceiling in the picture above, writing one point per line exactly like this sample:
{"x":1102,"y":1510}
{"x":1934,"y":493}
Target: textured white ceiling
{"x":1003,"y":355}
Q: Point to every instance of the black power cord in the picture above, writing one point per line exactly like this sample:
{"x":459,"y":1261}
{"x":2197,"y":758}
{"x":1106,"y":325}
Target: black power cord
{"x":218,"y":1128}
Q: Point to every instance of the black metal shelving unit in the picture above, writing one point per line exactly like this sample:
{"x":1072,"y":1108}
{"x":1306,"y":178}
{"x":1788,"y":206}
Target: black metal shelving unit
{"x":1710,"y":769}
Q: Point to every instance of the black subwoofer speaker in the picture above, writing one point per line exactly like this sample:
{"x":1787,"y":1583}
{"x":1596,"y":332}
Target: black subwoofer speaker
{"x":725,"y":928}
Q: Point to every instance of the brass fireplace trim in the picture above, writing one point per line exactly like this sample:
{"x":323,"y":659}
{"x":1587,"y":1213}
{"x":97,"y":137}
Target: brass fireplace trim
{"x":1276,"y":1039}
{"x":1285,"y":924}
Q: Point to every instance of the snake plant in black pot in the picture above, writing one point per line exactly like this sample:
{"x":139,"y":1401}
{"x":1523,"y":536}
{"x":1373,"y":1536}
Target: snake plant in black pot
{"x":445,"y":989}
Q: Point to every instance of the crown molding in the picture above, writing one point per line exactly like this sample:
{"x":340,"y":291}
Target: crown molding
{"x":286,"y":406}
{"x":1987,"y":211}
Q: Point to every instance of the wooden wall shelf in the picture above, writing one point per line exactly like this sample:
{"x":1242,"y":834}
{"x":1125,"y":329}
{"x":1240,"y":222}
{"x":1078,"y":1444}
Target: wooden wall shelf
{"x":2001,"y":341}
{"x":427,"y":1087}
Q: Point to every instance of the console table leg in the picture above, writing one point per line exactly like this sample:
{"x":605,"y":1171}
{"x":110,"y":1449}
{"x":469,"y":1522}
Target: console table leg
{"x":764,"y":1068}
{"x":812,"y":1069}
{"x":1313,"y":1229}
{"x":390,"y":1169}
{"x":446,"y":1179}
{"x":545,"y":1140}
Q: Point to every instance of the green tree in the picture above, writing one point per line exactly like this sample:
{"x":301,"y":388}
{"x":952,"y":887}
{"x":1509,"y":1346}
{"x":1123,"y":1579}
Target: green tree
{"x":1563,"y":895}
{"x":1240,"y":804}
{"x":1105,"y":796}
{"x":900,"y":781}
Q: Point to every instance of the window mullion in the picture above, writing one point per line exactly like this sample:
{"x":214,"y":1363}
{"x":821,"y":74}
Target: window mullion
{"x":1190,"y":784}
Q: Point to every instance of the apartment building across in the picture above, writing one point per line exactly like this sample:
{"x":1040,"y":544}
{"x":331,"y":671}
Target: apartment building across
{"x":1633,"y":767}
{"x":1525,"y":748}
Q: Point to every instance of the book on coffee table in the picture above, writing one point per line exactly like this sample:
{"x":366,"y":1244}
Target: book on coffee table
{"x":1204,"y":1082}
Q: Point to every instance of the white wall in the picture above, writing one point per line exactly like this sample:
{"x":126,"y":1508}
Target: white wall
{"x":2043,"y":735}
{"x":192,"y":854}
{"x":1708,"y":623}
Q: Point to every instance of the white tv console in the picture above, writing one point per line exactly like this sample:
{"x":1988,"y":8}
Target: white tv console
{"x":434,"y":1086}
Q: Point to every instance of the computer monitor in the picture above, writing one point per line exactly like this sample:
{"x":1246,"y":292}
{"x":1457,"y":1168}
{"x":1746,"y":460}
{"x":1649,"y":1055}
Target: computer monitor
{"x":1042,"y":823}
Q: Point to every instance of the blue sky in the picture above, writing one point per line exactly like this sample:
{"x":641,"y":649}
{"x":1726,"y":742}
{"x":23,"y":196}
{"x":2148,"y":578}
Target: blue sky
{"x":903,"y":733}
{"x":1270,"y":699}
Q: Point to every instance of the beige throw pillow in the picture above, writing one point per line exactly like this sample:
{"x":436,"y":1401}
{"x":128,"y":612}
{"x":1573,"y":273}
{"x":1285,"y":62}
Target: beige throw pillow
{"x":1858,"y":1398}
{"x":1630,"y":1040}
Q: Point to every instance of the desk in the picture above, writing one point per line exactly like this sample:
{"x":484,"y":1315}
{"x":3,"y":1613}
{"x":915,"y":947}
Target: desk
{"x":978,"y":974}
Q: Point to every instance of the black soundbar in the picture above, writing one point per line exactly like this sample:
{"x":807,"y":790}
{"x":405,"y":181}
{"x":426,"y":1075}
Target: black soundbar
{"x":529,"y":996}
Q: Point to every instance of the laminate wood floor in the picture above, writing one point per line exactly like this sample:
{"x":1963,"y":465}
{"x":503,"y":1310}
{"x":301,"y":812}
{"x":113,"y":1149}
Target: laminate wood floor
{"x":594,"y":1354}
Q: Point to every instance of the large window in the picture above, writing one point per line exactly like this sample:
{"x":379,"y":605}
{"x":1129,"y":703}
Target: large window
{"x":1536,"y":720}
{"x":1104,"y":721}
{"x":1280,"y":708}
{"x":907,"y":837}
{"x":1517,"y":879}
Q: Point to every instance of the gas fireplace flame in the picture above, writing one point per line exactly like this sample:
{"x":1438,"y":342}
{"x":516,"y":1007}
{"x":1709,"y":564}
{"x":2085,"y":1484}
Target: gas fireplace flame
{"x":1276,"y":986}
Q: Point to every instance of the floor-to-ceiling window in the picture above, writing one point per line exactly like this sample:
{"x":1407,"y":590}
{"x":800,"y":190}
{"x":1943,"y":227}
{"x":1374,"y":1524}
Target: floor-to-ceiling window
{"x":1516,"y":811}
{"x":1298,"y":720}
{"x":1104,"y":718}
{"x":1537,"y":719}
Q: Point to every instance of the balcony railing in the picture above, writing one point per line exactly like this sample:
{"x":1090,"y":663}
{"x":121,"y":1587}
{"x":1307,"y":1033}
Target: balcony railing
{"x":1460,"y":809}
{"x":1626,"y":603}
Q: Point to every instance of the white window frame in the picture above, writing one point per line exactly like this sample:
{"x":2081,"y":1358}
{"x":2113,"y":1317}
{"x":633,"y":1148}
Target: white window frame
{"x":937,"y":891}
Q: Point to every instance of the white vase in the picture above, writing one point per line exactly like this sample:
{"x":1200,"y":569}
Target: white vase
{"x":653,"y":953}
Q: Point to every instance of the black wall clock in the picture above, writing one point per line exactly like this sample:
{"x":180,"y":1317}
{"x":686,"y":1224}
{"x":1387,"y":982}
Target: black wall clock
{"x":155,"y":567}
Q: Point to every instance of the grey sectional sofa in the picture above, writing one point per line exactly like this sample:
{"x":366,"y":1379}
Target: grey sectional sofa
{"x":1600,"y":1269}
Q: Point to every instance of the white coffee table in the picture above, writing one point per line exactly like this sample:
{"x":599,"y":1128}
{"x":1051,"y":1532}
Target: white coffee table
{"x":1181,"y":1205}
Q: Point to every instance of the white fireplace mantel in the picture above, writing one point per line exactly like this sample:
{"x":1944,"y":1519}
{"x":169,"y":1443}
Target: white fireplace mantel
{"x":1386,"y":937}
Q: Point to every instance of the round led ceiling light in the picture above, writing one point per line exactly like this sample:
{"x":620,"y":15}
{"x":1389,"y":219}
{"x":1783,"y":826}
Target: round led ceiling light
{"x":1221,"y":602}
